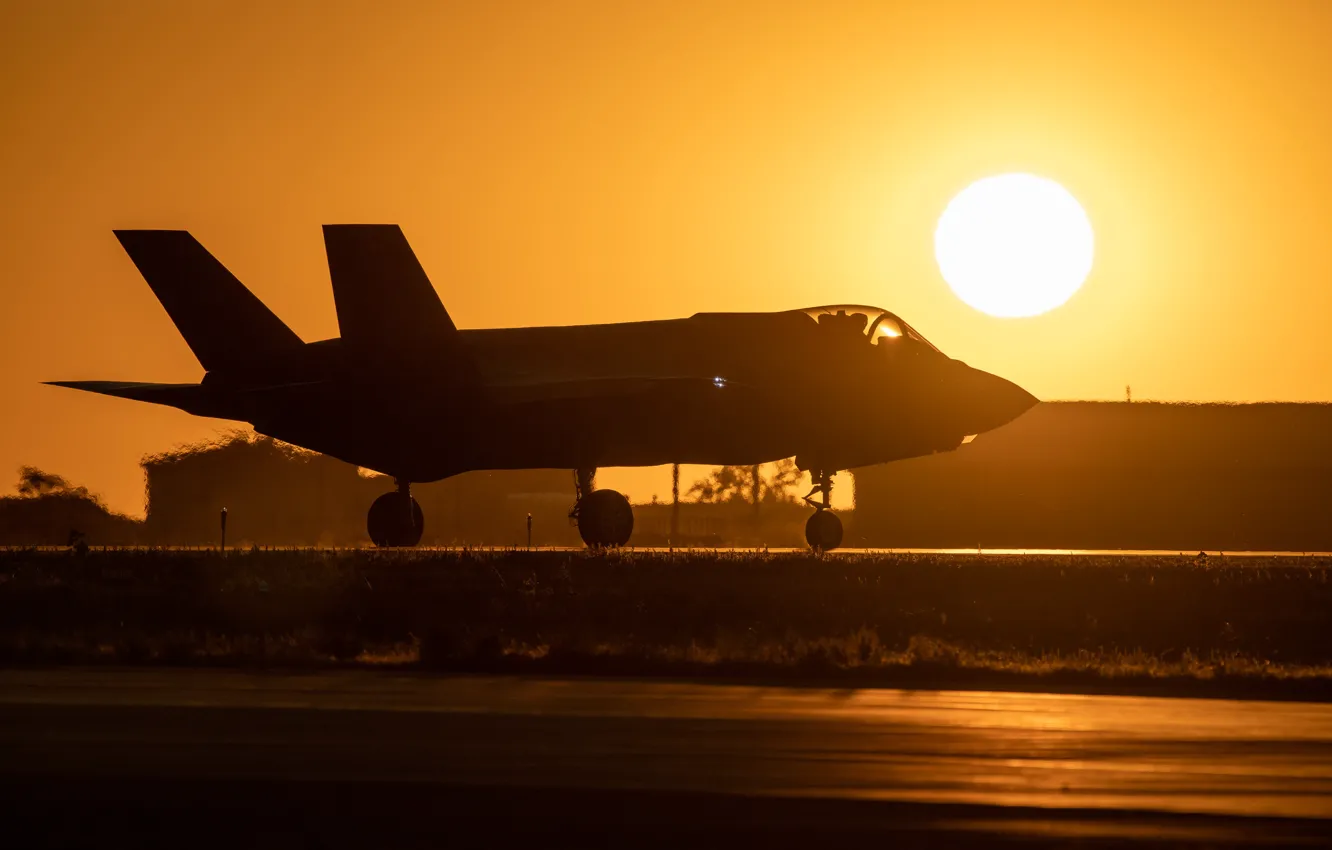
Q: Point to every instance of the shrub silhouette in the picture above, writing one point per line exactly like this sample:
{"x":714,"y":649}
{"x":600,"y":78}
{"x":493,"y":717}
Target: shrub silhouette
{"x":49,"y":511}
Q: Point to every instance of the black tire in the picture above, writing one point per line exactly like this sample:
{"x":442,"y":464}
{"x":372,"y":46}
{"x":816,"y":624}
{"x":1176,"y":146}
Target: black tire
{"x":387,"y":521}
{"x":823,"y":531}
{"x":605,"y":519}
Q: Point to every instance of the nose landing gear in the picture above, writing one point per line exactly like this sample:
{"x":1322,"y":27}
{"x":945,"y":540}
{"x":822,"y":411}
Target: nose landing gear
{"x":604,"y":517}
{"x":395,"y":518}
{"x":823,"y":531}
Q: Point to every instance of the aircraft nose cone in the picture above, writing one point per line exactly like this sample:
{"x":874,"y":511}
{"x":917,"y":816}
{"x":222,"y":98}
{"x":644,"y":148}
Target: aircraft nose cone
{"x":994,"y":401}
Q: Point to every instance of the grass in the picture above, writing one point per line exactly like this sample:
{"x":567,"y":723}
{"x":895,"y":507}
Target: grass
{"x":1225,"y":626}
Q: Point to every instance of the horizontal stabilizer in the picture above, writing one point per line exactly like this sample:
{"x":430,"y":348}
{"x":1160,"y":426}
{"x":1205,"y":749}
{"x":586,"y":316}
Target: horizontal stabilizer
{"x":225,"y":325}
{"x":183,"y":396}
{"x":387,"y":308}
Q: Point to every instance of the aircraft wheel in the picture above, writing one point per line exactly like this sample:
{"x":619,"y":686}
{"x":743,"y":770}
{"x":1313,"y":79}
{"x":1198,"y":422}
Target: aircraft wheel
{"x":388,"y":523}
{"x":823,"y":531}
{"x":605,"y":519}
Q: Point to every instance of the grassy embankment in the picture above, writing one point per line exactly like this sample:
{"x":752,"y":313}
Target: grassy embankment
{"x":1241,"y":627}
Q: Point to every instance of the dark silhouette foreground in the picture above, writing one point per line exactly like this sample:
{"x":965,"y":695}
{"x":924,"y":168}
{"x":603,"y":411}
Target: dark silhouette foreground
{"x":1238,"y":627}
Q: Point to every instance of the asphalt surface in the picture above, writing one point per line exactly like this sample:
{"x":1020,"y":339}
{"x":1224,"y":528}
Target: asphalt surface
{"x":728,"y":550}
{"x":357,"y":758}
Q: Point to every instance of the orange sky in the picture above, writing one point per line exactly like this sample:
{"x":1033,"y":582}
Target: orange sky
{"x":563,"y":162}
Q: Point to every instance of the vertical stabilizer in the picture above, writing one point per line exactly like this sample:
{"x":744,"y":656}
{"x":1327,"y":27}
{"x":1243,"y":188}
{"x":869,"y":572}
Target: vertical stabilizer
{"x":381,"y":291}
{"x":224,"y":324}
{"x":387,"y":308}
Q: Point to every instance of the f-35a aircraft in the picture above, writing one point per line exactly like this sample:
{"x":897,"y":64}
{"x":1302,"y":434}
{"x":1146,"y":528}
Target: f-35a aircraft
{"x":405,"y":392}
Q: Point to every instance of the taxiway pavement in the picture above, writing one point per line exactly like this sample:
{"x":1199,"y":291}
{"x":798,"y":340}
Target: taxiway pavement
{"x":1257,"y":771}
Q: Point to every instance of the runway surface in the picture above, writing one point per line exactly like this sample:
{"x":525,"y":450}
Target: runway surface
{"x":725,"y":550}
{"x":995,"y":762}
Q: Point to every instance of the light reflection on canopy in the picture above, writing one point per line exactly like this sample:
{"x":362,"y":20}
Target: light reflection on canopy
{"x":874,"y":322}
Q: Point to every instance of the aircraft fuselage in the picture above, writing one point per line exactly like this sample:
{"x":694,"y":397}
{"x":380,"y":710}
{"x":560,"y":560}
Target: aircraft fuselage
{"x":711,"y":389}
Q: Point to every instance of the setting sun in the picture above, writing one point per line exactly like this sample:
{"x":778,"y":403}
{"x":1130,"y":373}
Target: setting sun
{"x":1014,"y":245}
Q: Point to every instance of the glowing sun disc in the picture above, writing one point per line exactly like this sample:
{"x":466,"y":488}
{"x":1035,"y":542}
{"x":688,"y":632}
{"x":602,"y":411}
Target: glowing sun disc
{"x":1014,"y":245}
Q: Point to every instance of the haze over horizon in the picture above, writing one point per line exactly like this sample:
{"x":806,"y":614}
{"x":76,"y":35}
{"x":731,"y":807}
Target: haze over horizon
{"x":563,"y":163}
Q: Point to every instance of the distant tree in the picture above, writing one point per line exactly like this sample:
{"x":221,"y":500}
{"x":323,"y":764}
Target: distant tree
{"x":784,"y":479}
{"x":755,"y":487}
{"x":34,"y":483}
{"x":748,"y":484}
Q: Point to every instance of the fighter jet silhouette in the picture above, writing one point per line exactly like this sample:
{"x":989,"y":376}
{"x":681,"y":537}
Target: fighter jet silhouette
{"x":405,"y":392}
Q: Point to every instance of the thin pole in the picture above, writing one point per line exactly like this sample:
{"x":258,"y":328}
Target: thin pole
{"x":675,"y":504}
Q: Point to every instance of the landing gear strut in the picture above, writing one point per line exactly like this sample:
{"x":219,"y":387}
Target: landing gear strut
{"x":604,"y":517}
{"x":823,"y":531}
{"x":395,"y":518}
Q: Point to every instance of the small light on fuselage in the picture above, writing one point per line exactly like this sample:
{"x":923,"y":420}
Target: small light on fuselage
{"x":719,"y":382}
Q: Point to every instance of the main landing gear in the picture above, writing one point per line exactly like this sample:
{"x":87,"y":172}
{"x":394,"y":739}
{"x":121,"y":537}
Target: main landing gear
{"x":604,"y":517}
{"x":395,"y":518}
{"x":823,"y":531}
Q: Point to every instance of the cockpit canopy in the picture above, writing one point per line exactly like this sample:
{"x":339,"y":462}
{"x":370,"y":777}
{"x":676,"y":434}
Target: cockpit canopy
{"x":875,"y":323}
